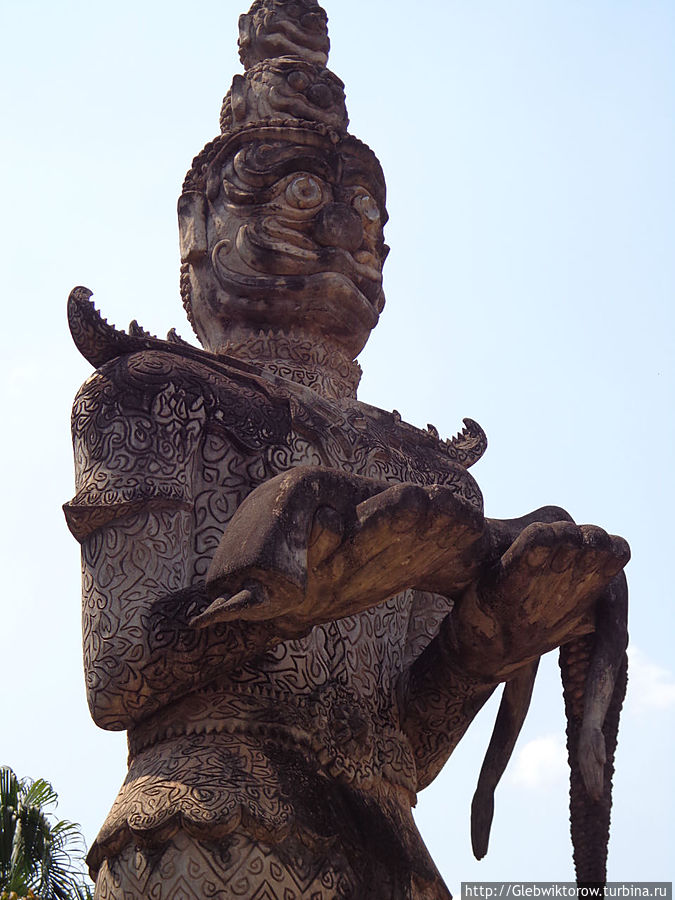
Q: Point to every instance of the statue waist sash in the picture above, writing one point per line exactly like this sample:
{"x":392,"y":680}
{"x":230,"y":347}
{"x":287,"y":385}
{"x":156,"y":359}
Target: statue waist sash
{"x":221,"y":760}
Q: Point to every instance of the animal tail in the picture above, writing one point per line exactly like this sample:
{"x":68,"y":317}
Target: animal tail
{"x":510,"y":717}
{"x":589,"y":819}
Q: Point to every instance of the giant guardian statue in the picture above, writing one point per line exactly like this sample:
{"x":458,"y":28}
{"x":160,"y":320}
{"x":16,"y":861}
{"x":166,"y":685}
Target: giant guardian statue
{"x":293,"y":601}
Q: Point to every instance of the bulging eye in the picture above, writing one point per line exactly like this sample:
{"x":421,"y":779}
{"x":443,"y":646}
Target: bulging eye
{"x":297,"y":80}
{"x":304,"y":192}
{"x":366,"y":206}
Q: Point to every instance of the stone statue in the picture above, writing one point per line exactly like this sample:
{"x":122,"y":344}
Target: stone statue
{"x":292,"y":601}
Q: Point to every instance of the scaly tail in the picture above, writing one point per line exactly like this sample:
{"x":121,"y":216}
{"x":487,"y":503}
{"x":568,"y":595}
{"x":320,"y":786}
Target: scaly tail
{"x":589,"y":819}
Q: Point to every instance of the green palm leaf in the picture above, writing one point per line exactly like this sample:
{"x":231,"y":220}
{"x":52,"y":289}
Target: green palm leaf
{"x":37,"y":853}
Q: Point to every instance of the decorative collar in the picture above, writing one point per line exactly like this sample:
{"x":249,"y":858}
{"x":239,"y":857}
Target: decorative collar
{"x":302,"y":358}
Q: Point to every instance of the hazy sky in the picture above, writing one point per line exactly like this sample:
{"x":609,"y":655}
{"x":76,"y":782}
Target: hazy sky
{"x":528,"y":148}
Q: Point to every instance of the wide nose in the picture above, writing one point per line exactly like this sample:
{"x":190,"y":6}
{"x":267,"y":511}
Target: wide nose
{"x":338,"y":225}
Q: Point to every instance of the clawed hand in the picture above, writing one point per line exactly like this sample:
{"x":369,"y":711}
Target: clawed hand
{"x":541,"y":590}
{"x":314,"y":545}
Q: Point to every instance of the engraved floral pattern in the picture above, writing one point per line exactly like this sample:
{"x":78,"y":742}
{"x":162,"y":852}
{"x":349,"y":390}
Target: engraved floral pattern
{"x":167,"y":448}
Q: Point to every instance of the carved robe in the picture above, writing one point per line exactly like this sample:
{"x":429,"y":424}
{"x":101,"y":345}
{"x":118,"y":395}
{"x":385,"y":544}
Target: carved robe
{"x":240,"y":737}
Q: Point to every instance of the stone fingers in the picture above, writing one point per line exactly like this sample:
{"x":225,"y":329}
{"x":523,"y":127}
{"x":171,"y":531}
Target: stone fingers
{"x":251,"y":604}
{"x":545,"y":585}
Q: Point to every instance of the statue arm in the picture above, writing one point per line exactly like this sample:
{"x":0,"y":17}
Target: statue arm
{"x":140,"y":651}
{"x":539,"y":580}
{"x":437,"y":703}
{"x":306,"y":547}
{"x":313,"y":545}
{"x":133,"y":513}
{"x":438,"y":699}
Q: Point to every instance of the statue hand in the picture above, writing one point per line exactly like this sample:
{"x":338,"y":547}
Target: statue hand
{"x":541,"y":590}
{"x":592,"y":757}
{"x":315,"y":545}
{"x":284,"y":528}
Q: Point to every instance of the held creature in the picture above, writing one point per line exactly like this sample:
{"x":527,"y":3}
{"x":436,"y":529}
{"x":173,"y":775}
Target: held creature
{"x":292,"y":601}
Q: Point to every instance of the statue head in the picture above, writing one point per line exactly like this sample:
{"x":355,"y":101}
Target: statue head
{"x":281,"y":216}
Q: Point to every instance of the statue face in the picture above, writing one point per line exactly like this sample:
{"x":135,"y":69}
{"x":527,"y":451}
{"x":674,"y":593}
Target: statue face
{"x":293,"y":240}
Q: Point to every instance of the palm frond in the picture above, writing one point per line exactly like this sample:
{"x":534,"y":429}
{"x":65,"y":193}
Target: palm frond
{"x":36,"y":852}
{"x":9,"y":803}
{"x":38,"y":793}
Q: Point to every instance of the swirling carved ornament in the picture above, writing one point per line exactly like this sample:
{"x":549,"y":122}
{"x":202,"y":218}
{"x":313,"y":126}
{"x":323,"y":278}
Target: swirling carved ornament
{"x":167,"y":446}
{"x":274,"y":28}
{"x":234,"y":868}
{"x":288,"y":89}
{"x":169,"y":441}
{"x":318,"y":365}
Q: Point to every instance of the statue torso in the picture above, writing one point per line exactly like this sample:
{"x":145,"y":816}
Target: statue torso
{"x":163,"y":428}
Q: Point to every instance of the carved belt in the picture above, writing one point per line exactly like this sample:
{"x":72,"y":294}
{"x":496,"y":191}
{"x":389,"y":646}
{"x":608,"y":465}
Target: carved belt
{"x":349,"y":741}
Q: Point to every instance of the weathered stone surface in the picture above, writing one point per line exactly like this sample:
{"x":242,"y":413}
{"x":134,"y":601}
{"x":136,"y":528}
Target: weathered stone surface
{"x":273,"y":28}
{"x":292,"y":601}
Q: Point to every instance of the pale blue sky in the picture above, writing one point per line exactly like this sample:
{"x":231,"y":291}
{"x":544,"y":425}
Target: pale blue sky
{"x":528,"y":147}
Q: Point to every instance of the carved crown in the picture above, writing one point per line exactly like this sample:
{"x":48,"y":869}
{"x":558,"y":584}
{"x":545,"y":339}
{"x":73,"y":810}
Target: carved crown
{"x":274,"y":28}
{"x":284,"y":45}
